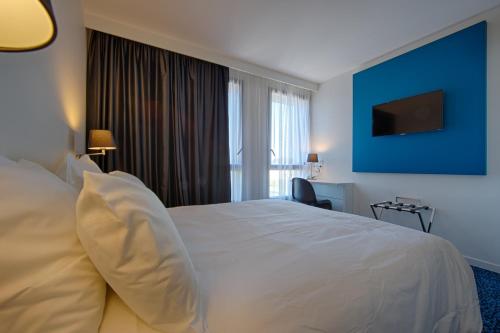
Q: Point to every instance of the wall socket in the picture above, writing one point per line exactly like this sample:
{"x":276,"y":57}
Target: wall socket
{"x":409,"y":201}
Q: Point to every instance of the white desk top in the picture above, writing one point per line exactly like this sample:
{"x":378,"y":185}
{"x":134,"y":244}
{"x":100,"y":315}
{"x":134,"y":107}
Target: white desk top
{"x":333,"y":182}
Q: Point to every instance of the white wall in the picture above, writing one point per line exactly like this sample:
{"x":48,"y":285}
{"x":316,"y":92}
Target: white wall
{"x":42,"y":93}
{"x":468,"y":206}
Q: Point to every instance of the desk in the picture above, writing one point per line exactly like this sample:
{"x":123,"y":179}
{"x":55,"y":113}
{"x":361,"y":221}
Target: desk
{"x":339,"y":193}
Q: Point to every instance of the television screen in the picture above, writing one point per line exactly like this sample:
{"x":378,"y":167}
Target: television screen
{"x":414,"y":114}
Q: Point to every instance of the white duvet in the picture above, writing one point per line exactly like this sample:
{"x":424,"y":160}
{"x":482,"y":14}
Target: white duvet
{"x":278,"y":266}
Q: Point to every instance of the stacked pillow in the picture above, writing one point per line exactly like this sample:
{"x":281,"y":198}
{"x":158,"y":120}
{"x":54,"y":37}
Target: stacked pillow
{"x":127,"y":176}
{"x":134,"y":244}
{"x":48,"y":283}
{"x":73,"y":168}
{"x":6,"y":161}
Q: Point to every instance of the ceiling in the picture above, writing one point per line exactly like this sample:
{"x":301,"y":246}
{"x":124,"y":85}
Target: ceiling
{"x":310,"y":39}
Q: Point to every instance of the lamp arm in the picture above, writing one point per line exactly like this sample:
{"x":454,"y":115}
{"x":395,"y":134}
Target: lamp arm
{"x":102,"y":152}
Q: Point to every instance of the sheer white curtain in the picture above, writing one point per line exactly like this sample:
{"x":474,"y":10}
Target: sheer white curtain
{"x":289,"y":139}
{"x":235,"y":94}
{"x":249,"y":133}
{"x":255,"y":129}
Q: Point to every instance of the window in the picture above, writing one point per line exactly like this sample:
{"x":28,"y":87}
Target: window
{"x":289,"y":140}
{"x":235,"y":137}
{"x":268,"y":136}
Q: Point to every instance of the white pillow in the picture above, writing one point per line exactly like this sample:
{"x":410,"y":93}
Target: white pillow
{"x":31,"y":165}
{"x":134,"y":244}
{"x":74,"y":168}
{"x":47,"y":282}
{"x":126,"y":176}
{"x":5,"y":161}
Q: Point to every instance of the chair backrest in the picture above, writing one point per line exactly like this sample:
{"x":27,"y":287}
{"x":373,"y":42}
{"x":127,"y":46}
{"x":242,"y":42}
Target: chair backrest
{"x":303,"y":191}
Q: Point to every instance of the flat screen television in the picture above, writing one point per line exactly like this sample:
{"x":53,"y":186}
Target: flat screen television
{"x":421,"y":113}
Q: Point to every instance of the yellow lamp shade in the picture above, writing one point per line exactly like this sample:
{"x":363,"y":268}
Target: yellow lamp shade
{"x":101,"y":140}
{"x":26,"y":25}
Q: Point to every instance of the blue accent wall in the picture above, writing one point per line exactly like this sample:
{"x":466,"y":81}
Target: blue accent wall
{"x":457,"y":65}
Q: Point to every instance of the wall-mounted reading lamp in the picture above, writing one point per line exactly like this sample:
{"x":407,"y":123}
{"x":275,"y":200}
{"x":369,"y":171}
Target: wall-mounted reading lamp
{"x":26,"y":25}
{"x":311,"y":159}
{"x":101,"y":140}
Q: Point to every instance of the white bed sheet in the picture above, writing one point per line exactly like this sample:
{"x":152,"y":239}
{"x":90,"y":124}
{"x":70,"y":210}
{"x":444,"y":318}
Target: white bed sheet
{"x":278,"y":266}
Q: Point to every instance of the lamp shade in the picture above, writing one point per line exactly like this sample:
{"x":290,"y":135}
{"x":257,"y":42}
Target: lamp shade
{"x":101,"y":140}
{"x":26,"y":25}
{"x":312,"y":158}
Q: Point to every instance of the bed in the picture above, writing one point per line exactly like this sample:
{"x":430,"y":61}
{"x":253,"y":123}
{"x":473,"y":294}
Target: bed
{"x":278,"y":266}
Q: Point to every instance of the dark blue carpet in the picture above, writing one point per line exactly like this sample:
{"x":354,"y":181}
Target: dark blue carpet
{"x":488,"y":288}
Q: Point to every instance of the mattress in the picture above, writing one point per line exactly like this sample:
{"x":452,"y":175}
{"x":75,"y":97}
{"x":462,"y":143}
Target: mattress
{"x":278,"y":266}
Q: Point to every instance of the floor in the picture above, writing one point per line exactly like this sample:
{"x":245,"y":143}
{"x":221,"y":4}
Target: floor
{"x":488,"y":288}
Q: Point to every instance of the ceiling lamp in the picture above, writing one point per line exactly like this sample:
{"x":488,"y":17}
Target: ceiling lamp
{"x":26,"y":25}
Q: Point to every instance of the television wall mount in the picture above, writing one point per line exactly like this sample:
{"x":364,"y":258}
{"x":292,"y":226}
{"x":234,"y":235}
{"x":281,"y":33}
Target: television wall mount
{"x":407,"y":208}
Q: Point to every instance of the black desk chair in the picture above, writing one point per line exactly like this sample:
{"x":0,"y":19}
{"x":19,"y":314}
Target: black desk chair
{"x":302,"y":191}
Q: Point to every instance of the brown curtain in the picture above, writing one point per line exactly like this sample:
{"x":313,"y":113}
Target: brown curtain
{"x":168,"y":113}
